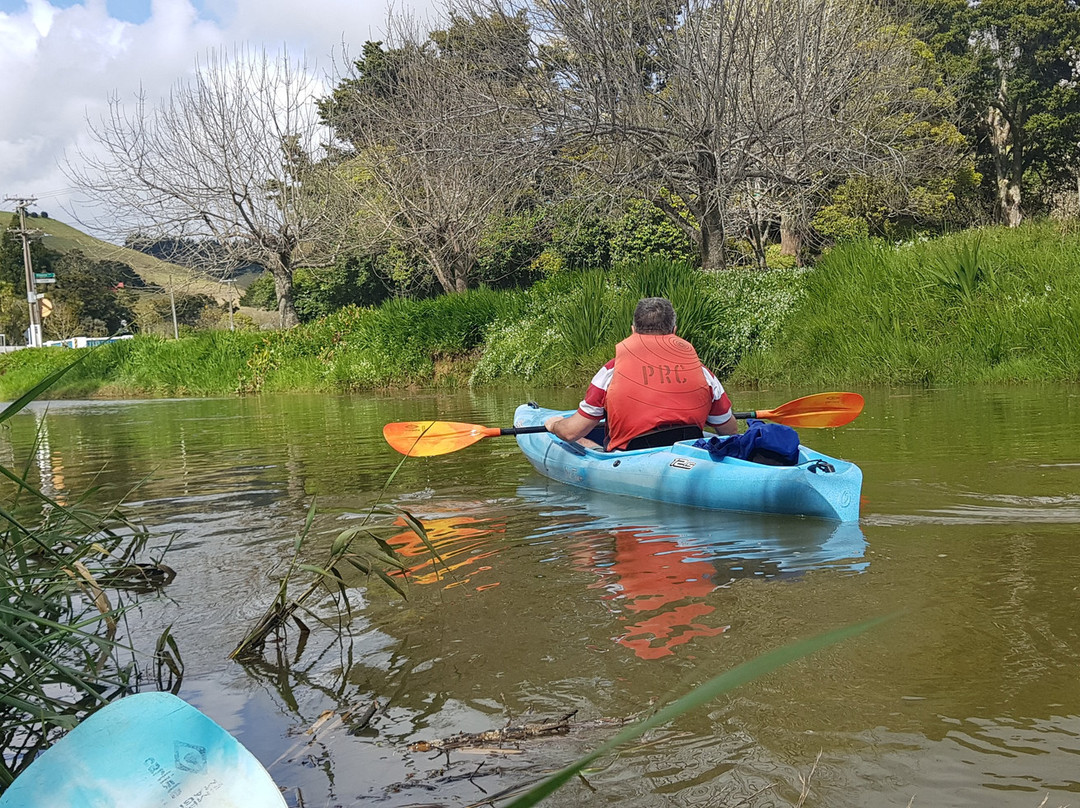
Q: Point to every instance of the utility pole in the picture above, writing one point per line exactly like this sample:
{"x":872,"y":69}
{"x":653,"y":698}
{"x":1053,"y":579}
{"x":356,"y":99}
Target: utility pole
{"x":172,"y":303}
{"x":34,"y":332}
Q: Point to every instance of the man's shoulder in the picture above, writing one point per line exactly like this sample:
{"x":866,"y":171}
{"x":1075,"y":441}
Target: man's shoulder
{"x":603,"y":376}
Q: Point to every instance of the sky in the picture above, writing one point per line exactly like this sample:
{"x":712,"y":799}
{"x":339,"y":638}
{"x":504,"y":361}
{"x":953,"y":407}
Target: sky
{"x":61,"y":60}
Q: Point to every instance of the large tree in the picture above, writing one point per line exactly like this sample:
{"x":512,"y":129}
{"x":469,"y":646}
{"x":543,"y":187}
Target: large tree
{"x":440,"y":143}
{"x":1025,"y":84}
{"x":1021,"y":63}
{"x":714,"y":107}
{"x":234,"y":157}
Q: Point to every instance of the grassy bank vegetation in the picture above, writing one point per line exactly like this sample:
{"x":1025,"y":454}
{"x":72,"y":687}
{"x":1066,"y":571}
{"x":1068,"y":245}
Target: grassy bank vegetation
{"x":569,"y":324}
{"x":990,"y":305}
{"x":979,"y":306}
{"x":557,"y":331}
{"x":400,"y":343}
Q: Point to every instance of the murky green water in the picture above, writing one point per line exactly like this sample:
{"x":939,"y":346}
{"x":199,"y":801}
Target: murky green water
{"x":560,"y":601}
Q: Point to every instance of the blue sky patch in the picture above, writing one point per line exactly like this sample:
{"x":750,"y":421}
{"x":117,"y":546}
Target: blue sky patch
{"x":136,"y":11}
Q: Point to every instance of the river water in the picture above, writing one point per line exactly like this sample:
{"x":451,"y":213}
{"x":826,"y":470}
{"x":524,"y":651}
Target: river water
{"x":552,"y":600}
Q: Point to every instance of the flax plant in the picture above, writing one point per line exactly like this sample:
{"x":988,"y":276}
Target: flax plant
{"x":61,"y":569}
{"x":350,"y":553}
{"x":963,"y":271}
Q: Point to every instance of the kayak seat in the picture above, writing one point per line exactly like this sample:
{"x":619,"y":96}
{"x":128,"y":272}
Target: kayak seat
{"x":598,"y":434}
{"x":664,"y":436}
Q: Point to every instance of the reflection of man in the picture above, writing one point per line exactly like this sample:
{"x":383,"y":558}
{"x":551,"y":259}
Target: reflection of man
{"x":660,"y":584}
{"x":654,"y":392}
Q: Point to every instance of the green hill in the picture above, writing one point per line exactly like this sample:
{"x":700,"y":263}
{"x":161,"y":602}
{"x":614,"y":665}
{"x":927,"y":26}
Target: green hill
{"x":64,"y":238}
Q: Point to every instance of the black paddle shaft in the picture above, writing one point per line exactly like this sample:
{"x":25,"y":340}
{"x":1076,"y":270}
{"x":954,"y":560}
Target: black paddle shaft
{"x":523,"y":430}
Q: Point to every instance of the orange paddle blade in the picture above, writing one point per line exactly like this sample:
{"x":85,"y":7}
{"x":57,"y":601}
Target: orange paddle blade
{"x":429,"y":438}
{"x":818,"y":410}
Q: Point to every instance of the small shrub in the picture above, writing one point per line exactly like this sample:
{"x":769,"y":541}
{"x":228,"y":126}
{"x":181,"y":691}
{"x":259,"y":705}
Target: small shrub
{"x":774,"y":259}
{"x":837,"y":226}
{"x":260,"y":294}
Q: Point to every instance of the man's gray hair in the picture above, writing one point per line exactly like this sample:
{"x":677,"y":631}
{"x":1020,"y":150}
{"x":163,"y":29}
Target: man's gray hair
{"x":654,"y":315}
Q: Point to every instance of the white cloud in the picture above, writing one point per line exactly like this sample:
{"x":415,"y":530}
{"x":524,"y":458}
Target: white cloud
{"x":60,"y":66}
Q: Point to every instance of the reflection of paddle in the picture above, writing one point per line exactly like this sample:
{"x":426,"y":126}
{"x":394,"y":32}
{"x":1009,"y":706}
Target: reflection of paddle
{"x":428,"y":438}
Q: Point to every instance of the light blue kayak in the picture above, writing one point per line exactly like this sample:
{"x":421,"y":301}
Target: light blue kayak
{"x":819,"y":486}
{"x":150,"y":750}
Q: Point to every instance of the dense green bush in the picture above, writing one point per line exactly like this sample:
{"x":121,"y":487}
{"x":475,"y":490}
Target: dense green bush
{"x":510,"y":249}
{"x":645,"y":230}
{"x":571,"y":322}
{"x":354,"y":282}
{"x":260,"y":293}
{"x":579,"y":240}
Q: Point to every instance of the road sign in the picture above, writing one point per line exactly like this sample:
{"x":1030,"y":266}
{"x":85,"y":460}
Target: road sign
{"x":44,"y":277}
{"x":46,"y":306}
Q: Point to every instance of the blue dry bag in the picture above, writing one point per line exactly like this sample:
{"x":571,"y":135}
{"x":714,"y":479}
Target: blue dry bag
{"x":762,"y":442}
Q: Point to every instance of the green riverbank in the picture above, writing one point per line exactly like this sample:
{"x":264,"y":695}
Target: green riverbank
{"x":989,"y":305}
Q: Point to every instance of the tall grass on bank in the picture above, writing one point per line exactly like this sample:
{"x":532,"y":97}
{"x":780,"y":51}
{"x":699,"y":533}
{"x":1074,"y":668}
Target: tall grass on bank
{"x":557,"y":331}
{"x":206,"y":365}
{"x":989,"y":306}
{"x":61,"y":569}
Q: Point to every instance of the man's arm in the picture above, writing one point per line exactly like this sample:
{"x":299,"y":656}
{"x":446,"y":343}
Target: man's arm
{"x":721,"y":420}
{"x":729,"y":427}
{"x":573,"y":428}
{"x":589,"y":413}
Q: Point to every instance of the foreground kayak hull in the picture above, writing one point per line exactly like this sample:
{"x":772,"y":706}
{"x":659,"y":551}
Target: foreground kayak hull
{"x":149,"y":749}
{"x":684,"y":474}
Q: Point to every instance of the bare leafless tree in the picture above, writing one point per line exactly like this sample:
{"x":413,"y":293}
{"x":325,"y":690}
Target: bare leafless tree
{"x":736,"y":109}
{"x":233,"y":159}
{"x":440,"y":140}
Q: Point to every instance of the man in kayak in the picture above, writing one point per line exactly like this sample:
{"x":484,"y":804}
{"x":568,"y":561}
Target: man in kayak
{"x":653,"y":393}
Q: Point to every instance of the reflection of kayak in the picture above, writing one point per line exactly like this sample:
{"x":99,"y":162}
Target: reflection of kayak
{"x":658,"y":564}
{"x":737,"y":545}
{"x":684,"y":474}
{"x":147,"y":749}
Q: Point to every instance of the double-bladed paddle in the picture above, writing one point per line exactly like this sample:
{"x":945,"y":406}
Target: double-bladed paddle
{"x":429,"y":438}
